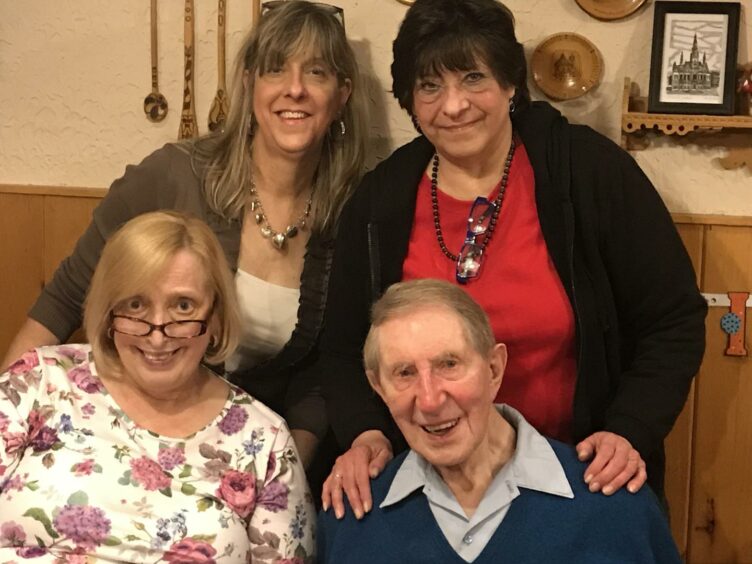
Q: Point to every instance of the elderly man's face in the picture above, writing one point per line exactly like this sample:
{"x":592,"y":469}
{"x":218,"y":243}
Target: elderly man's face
{"x":439,"y":390}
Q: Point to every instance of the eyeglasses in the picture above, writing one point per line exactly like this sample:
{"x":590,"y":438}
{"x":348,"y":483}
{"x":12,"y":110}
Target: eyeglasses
{"x":186,"y":329}
{"x":337,"y":12}
{"x":478,"y":224}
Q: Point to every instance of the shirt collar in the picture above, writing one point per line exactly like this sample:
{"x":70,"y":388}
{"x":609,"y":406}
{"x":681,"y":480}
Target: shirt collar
{"x":533,"y":465}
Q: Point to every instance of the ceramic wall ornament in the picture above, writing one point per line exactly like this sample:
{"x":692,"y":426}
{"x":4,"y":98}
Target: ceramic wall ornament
{"x":608,"y":10}
{"x":566,"y":66}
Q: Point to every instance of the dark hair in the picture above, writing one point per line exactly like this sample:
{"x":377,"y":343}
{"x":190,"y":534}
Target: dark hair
{"x":440,"y":35}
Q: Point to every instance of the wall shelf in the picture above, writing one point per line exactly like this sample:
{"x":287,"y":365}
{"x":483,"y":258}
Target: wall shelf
{"x":636,"y":122}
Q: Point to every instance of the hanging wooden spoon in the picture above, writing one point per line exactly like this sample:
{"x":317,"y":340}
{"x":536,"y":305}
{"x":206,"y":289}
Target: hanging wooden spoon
{"x":188,"y":125}
{"x":255,"y":11}
{"x":220,"y":106}
{"x":155,"y":104}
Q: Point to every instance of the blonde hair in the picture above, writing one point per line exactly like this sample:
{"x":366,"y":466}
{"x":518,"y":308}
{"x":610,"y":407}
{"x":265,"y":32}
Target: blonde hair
{"x":292,"y":28}
{"x":406,"y":297}
{"x":135,"y":257}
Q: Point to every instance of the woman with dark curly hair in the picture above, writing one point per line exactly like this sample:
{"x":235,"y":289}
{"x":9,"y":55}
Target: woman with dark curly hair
{"x":551,"y":227}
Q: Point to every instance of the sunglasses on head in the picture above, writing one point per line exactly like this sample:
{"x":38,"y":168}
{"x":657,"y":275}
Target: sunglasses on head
{"x":335,"y":11}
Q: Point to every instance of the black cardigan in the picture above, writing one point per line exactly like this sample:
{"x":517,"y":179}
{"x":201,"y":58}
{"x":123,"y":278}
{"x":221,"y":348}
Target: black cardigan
{"x":639,"y":316}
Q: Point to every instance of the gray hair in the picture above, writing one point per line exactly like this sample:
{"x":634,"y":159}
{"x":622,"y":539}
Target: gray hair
{"x":406,"y":297}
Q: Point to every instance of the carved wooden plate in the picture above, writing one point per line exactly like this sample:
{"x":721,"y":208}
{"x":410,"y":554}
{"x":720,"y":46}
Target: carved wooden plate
{"x":566,"y":66}
{"x":610,"y":9}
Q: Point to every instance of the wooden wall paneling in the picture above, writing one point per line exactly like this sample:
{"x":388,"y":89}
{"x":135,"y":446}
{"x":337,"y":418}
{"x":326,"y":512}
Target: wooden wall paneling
{"x":721,"y":489}
{"x":679,"y":441}
{"x":22,"y":247}
{"x":66,"y":219}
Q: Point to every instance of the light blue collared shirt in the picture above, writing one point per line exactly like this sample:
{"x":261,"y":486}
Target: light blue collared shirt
{"x":533,"y":466}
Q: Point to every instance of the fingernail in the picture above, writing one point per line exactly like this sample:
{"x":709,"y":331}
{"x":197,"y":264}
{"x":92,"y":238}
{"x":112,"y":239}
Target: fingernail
{"x":325,"y":506}
{"x":632,"y":489}
{"x":358,"y":514}
{"x":580,"y":454}
{"x":372,"y":472}
{"x":594,"y":487}
{"x":339,"y":514}
{"x":608,"y":490}
{"x":588,"y":478}
{"x":367,"y":507}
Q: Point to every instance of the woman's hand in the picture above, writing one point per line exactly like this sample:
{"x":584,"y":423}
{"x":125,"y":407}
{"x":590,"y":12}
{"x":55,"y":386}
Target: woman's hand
{"x":353,"y":472}
{"x":616,"y":462}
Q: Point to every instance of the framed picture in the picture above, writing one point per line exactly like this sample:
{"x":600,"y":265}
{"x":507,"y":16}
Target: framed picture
{"x":693,"y":62}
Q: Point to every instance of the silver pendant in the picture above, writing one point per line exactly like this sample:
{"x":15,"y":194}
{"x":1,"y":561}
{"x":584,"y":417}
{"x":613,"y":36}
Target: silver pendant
{"x":291,"y":231}
{"x":266,"y":232}
{"x":279,"y":240}
{"x":254,"y":205}
{"x":259,"y":217}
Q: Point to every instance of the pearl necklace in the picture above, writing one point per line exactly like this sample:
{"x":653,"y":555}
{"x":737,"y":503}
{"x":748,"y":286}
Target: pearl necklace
{"x":278,"y":238}
{"x":496,"y":203}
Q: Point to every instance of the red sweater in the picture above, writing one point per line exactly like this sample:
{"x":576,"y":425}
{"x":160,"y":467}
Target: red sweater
{"x":519,"y":289}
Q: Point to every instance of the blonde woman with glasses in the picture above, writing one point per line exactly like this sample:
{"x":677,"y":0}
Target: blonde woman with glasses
{"x":131,"y":449}
{"x":270,"y":186}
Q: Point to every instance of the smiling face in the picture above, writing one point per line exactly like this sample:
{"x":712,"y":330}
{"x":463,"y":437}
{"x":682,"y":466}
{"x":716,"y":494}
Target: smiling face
{"x":157,"y":364}
{"x":464,"y":114}
{"x":295,"y":104}
{"x":438,"y":388}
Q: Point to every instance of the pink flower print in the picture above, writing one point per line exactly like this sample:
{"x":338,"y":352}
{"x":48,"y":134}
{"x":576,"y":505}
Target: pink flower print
{"x":78,"y":556}
{"x":83,"y":468}
{"x":149,"y":474}
{"x":274,"y":496}
{"x":24,"y":364}
{"x":12,"y":533}
{"x":44,"y":439}
{"x":82,"y":377}
{"x":171,"y":457}
{"x":31,"y":551}
{"x":36,"y":422}
{"x":4,"y":422}
{"x":85,"y":525}
{"x":73,"y":353}
{"x":234,"y":420}
{"x":238,"y":490}
{"x":271,"y":467}
{"x":14,"y":442}
{"x":88,"y":410}
{"x":190,"y":551}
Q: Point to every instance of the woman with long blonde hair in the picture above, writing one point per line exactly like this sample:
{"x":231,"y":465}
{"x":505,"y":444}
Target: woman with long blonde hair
{"x":270,"y":185}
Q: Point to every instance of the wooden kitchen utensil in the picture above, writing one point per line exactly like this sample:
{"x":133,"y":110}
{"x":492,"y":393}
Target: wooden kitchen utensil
{"x":155,"y":104}
{"x":188,"y":125}
{"x":220,"y":106}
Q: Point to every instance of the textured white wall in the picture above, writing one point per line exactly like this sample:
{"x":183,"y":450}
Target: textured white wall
{"x":74,"y":73}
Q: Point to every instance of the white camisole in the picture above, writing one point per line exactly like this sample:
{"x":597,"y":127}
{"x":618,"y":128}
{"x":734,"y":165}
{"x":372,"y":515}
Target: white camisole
{"x":268,"y":315}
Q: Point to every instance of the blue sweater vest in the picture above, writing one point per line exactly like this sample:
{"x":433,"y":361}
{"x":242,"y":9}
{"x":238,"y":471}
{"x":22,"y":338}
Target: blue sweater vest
{"x":539,"y":528}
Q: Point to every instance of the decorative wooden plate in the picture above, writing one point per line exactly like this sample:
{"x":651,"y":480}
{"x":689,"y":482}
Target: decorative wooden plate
{"x":566,"y":66}
{"x":610,"y":9}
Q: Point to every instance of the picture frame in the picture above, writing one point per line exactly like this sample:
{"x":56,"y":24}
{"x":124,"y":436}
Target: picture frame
{"x":693,"y":60}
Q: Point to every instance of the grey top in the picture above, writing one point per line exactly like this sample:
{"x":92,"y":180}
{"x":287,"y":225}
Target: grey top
{"x":166,"y":179}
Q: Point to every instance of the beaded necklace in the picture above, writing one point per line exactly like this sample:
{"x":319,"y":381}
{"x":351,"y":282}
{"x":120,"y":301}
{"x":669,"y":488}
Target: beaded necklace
{"x":496,"y":203}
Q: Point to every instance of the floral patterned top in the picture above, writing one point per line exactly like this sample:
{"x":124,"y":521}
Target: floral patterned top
{"x":81,"y":482}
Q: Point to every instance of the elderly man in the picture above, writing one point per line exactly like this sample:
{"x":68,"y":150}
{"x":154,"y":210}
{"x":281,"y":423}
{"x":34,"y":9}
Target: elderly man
{"x":479,"y":483}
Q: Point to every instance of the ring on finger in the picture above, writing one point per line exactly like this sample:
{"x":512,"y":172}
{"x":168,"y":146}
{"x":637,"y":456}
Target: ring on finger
{"x":338,"y":476}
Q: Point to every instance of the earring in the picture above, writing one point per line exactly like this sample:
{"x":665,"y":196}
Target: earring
{"x":342,"y":127}
{"x":416,"y":125}
{"x":110,"y":333}
{"x":512,"y":106}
